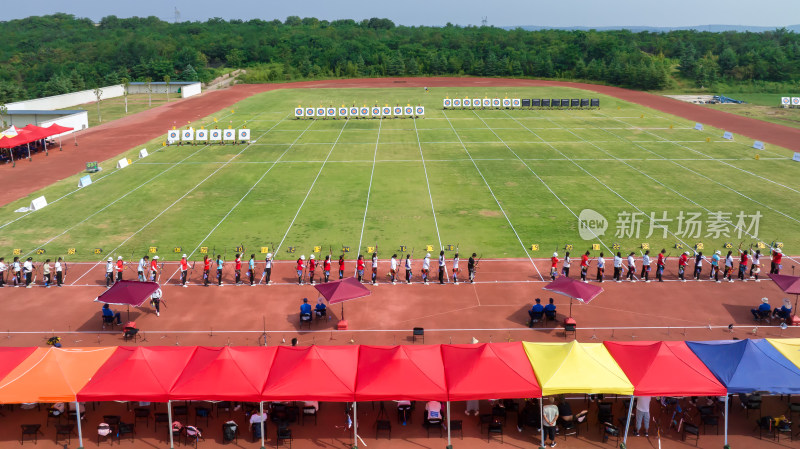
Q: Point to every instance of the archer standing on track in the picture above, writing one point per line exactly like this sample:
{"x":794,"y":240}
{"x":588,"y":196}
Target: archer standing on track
{"x":393,"y":268}
{"x":554,"y":267}
{"x":617,"y":267}
{"x":584,"y":266}
{"x":300,"y":263}
{"x":326,"y":267}
{"x":455,"y":269}
{"x":220,"y":264}
{"x":140,"y":270}
{"x":46,"y":273}
{"x":775,"y":267}
{"x":268,"y":268}
{"x":755,"y":268}
{"x":109,"y":272}
{"x":632,"y":267}
{"x":471,"y":267}
{"x":312,"y":267}
{"x":155,"y":300}
{"x":3,"y":268}
{"x":184,"y":270}
{"x":341,"y":266}
{"x":715,"y":267}
{"x":743,"y":265}
{"x":408,"y":268}
{"x":27,"y":269}
{"x":237,"y":269}
{"x":646,"y":266}
{"x":16,"y":267}
{"x":154,"y":269}
{"x":375,"y":268}
{"x":698,"y":266}
{"x":442,"y":267}
{"x":661,"y":263}
{"x":251,"y":270}
{"x":426,"y":268}
{"x":683,"y":261}
{"x":601,"y":267}
{"x":359,"y":267}
{"x":206,"y":269}
{"x":728,"y":267}
{"x":566,"y":264}
{"x":120,"y":268}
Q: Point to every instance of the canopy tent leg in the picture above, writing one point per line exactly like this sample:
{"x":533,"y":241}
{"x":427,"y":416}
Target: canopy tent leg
{"x":628,"y":423}
{"x":261,"y":424}
{"x":449,"y":445}
{"x":169,"y":423}
{"x":78,"y":420}
{"x":11,"y":153}
{"x":726,"y":418}
{"x":44,"y":144}
{"x":541,"y":419}
{"x":355,"y":421}
{"x":29,"y":152}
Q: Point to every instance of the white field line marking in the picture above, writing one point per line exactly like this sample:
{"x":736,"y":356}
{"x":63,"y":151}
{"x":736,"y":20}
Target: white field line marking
{"x":540,"y":179}
{"x":694,"y":202}
{"x":310,"y":188}
{"x":95,"y":181}
{"x":497,"y":201}
{"x":612,"y":190}
{"x":428,"y":185}
{"x":369,"y":189}
{"x":169,"y":207}
{"x":237,"y":203}
{"x":553,"y":159}
{"x":718,"y":160}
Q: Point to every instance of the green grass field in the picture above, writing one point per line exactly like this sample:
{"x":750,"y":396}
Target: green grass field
{"x":490,"y":181}
{"x":114,"y":108}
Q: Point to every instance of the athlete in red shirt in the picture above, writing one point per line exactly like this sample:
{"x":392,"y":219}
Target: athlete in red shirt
{"x":682,"y":262}
{"x":777,"y":255}
{"x":120,"y":268}
{"x":312,"y":265}
{"x":184,"y":270}
{"x":206,"y":269}
{"x":341,"y":266}
{"x":584,"y":266}
{"x":154,"y":269}
{"x":237,"y":269}
{"x":326,"y":267}
{"x":300,"y":263}
{"x":660,"y":265}
{"x":360,"y":267}
{"x":554,"y":266}
{"x":743,"y":265}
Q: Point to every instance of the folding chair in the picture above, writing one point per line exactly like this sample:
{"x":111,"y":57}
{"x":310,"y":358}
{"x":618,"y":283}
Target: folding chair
{"x":418,"y":332}
{"x":305,"y":318}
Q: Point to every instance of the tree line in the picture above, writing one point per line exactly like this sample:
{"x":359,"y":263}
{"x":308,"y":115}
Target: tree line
{"x":50,"y":55}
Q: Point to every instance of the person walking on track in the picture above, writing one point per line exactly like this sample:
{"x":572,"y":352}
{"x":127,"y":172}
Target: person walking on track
{"x":442,"y":267}
{"x":646,"y":266}
{"x":471,"y":266}
{"x":775,"y":265}
{"x":184,"y":270}
{"x":155,"y":300}
{"x":408,"y":268}
{"x":268,"y":269}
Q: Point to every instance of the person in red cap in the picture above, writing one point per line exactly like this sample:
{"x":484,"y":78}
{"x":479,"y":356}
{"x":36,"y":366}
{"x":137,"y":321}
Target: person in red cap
{"x":206,"y":269}
{"x":584,"y":266}
{"x":682,"y":262}
{"x":312,"y":266}
{"x":775,"y":267}
{"x":237,"y":269}
{"x":184,"y":270}
{"x":120,"y":268}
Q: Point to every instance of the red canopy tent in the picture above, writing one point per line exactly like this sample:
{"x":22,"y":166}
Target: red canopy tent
{"x":664,"y":368}
{"x":144,"y":373}
{"x":489,"y":371}
{"x":403,"y":372}
{"x":575,"y":289}
{"x":11,"y":357}
{"x":55,"y":128}
{"x":313,"y":373}
{"x":226,"y":373}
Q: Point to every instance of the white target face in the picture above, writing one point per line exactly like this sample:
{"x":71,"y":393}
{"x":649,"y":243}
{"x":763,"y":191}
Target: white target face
{"x":516,"y":102}
{"x":785,"y":100}
{"x":467,"y":103}
{"x":486,"y":102}
{"x":447,"y":102}
{"x":364,"y":112}
{"x":309,"y":112}
{"x":331,"y":112}
{"x":215,"y":134}
{"x":409,"y":110}
{"x":457,"y":103}
{"x":420,"y":110}
{"x":227,"y":134}
{"x":376,"y":111}
{"x":387,"y":111}
{"x":320,"y":112}
{"x":202,"y":134}
{"x":398,"y":110}
{"x":244,"y":134}
{"x":496,"y":102}
{"x":187,"y":134}
{"x":506,"y":103}
{"x":343,"y":112}
{"x":298,"y":112}
{"x":796,"y":101}
{"x":354,"y":111}
{"x":172,"y":135}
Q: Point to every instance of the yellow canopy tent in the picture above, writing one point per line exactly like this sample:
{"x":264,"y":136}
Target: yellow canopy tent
{"x":788,"y":347}
{"x":52,"y":374}
{"x":576,"y":368}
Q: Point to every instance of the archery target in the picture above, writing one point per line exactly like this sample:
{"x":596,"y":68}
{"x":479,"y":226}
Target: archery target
{"x":447,"y":102}
{"x":376,"y":111}
{"x":321,"y":112}
{"x":387,"y":111}
{"x":398,"y":110}
{"x":309,"y":112}
{"x":456,"y":102}
{"x":506,"y":103}
{"x":354,"y":112}
{"x":215,"y":134}
{"x":795,"y":101}
{"x":201,"y":134}
{"x":244,"y":134}
{"x":785,"y":100}
{"x":486,"y":102}
{"x":187,"y":134}
{"x":496,"y":102}
{"x":298,"y":112}
{"x":408,"y":110}
{"x":364,"y":112}
{"x":420,"y":110}
{"x":228,"y":134}
{"x":515,"y":102}
{"x":172,"y":135}
{"x":467,"y":103}
{"x":342,"y":112}
{"x":331,"y":112}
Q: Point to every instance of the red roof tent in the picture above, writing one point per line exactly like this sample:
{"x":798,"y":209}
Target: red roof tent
{"x":489,"y":371}
{"x":31,"y":133}
{"x":11,"y":357}
{"x":313,"y":373}
{"x":661,"y":368}
{"x":226,"y":373}
{"x":404,"y":372}
{"x":138,"y":374}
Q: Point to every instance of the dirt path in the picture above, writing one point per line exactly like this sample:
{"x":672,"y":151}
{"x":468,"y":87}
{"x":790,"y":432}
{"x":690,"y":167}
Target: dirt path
{"x":106,"y":141}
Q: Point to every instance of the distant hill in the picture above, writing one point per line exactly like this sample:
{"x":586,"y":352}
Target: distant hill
{"x":637,"y":29}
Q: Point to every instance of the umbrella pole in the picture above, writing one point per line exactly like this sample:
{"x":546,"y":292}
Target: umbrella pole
{"x":169,"y":423}
{"x":570,"y":307}
{"x":449,"y":446}
{"x":261,"y":418}
{"x":726,"y":418}
{"x":355,"y":422}
{"x":342,"y":310}
{"x":78,"y":419}
{"x":541,"y":418}
{"x":628,"y":422}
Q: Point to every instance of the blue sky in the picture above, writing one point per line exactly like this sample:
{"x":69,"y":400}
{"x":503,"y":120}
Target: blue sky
{"x":555,"y":13}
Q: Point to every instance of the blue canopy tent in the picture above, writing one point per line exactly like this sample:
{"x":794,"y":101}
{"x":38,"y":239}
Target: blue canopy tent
{"x":747,"y":366}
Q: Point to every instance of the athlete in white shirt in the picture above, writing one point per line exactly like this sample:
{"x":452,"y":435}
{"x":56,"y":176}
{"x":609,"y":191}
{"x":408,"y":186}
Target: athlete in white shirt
{"x":631,"y":268}
{"x":442,"y":268}
{"x":59,"y":272}
{"x":375,"y":268}
{"x":3,"y":268}
{"x":455,"y":269}
{"x":426,"y":267}
{"x":393,"y":267}
{"x":601,"y":267}
{"x":27,"y":270}
{"x":143,"y":265}
{"x":617,"y":267}
{"x":565,"y":266}
{"x":408,"y":268}
{"x":109,"y":272}
{"x":646,"y":266}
